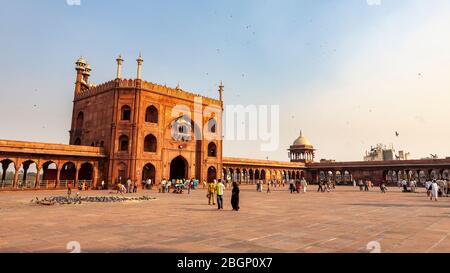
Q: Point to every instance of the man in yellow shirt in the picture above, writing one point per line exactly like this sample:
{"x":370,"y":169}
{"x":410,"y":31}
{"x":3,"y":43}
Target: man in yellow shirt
{"x":211,"y":191}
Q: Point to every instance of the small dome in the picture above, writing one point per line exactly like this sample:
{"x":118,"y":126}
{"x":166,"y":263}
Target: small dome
{"x":302,"y":141}
{"x":81,"y":60}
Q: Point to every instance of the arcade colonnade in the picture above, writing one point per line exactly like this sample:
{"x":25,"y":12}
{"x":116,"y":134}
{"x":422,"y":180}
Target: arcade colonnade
{"x":48,"y":166}
{"x":381,"y":172}
{"x":248,"y":171}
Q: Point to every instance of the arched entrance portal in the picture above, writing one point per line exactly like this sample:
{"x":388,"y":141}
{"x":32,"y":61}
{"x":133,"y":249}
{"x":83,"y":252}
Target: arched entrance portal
{"x":149,"y":172}
{"x":212,"y":174}
{"x":85,"y":176}
{"x":178,"y":168}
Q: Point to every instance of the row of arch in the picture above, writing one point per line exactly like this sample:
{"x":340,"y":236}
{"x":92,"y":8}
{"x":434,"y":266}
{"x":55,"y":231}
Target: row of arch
{"x":151,"y":145}
{"x":389,"y":176}
{"x":30,"y":175}
{"x":417,"y":175}
{"x":251,"y":175}
{"x":151,"y":116}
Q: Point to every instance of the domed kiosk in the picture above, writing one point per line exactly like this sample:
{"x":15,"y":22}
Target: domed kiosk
{"x":301,"y":150}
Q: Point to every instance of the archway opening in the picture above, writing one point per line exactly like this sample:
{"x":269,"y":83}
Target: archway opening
{"x":263,"y":175}
{"x":212,"y":174}
{"x":149,"y":172}
{"x":212,"y":150}
{"x":121,"y":172}
{"x":49,"y":174}
{"x":80,"y":121}
{"x":67,"y":174}
{"x":151,"y":115}
{"x":126,"y":113}
{"x":28,"y":175}
{"x":179,"y":168}
{"x":85,"y":175}
{"x":150,"y":144}
{"x":7,"y":174}
{"x":123,"y":143}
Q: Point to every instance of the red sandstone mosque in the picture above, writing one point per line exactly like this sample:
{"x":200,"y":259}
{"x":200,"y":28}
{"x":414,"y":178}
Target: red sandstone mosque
{"x":131,"y":128}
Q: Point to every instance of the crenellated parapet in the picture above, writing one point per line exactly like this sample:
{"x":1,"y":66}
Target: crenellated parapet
{"x":177,"y":92}
{"x":144,"y":85}
{"x":95,"y":89}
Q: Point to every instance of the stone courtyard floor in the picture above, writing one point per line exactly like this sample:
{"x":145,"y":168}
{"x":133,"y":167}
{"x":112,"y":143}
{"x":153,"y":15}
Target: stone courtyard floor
{"x":345,"y":220}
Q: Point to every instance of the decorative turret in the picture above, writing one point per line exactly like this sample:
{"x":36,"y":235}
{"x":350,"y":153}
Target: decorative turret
{"x":119,"y":61}
{"x":140,"y":61}
{"x":221,"y":90}
{"x":301,"y":150}
{"x":80,"y":67}
{"x":87,"y":74}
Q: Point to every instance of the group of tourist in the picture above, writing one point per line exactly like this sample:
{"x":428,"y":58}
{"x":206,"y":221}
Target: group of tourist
{"x":364,"y":185}
{"x":147,"y":184}
{"x":297,"y":186}
{"x":179,"y":185}
{"x":408,"y":186}
{"x":128,"y":187}
{"x":436,"y":188}
{"x":326,"y":186}
{"x":216,"y":191}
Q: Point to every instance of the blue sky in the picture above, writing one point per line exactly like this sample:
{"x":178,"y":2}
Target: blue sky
{"x":347,"y":73}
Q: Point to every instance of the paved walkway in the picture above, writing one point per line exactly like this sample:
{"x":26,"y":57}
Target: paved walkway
{"x":345,"y":220}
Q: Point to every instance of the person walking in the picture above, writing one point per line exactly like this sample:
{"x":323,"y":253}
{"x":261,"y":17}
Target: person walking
{"x":366,"y":185}
{"x":103,"y":184}
{"x":235,"y":197}
{"x":220,"y":189}
{"x":298,"y":186}
{"x":320,"y":189}
{"x":291,"y":186}
{"x":135,"y":187}
{"x":168,"y":185}
{"x":428,"y":187}
{"x":268,"y":187}
{"x":69,"y":188}
{"x":129,"y":185}
{"x":405,"y":185}
{"x":215,"y":191}
{"x":361,"y":185}
{"x":434,"y":190}
{"x":211,"y":190}
{"x":354,"y":183}
{"x":304,"y":185}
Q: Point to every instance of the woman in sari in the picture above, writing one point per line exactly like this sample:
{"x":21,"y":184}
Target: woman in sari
{"x":235,"y":197}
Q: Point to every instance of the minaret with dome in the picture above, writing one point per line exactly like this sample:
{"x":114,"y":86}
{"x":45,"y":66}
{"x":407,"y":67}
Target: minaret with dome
{"x":301,"y":150}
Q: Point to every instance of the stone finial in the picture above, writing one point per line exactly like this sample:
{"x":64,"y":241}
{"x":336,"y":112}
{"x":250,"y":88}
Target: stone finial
{"x":140,"y":61}
{"x":119,"y":61}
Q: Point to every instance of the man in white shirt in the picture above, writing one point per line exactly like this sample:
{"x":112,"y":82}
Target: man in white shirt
{"x":220,"y":190}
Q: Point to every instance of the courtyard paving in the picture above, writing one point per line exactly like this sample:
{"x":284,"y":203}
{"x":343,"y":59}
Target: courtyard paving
{"x":344,"y":220}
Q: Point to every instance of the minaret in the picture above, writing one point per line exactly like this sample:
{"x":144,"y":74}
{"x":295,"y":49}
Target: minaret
{"x":80,"y":68}
{"x":140,"y":61}
{"x":87,"y":74}
{"x":221,"y":89}
{"x":119,"y":66}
